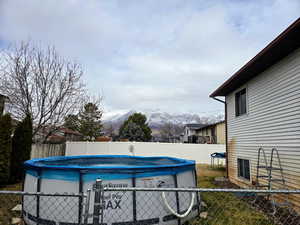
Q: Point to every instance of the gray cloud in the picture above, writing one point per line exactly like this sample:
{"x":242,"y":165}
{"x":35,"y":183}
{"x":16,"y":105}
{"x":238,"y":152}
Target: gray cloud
{"x":151,"y":54}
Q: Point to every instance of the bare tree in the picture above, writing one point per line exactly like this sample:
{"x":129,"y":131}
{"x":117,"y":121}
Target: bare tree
{"x":41,"y":83}
{"x":109,"y":130}
{"x":169,"y":131}
{"x":166,"y":131}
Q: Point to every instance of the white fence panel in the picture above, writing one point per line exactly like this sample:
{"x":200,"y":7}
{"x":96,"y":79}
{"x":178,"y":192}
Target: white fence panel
{"x":199,"y":152}
{"x":47,"y":150}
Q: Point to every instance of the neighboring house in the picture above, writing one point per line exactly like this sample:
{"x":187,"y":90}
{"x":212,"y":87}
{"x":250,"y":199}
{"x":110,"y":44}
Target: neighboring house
{"x":5,"y":105}
{"x":55,"y":139}
{"x":172,"y":139}
{"x":262,"y":107}
{"x":212,"y":133}
{"x":3,"y":100}
{"x":103,"y":139}
{"x":61,"y":135}
{"x":190,"y":132}
{"x":70,"y":135}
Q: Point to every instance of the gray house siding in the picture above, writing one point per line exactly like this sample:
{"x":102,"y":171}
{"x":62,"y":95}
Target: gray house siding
{"x":272,"y":120}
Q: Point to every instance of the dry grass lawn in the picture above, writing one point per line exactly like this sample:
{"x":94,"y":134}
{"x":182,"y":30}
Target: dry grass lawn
{"x":224,"y":208}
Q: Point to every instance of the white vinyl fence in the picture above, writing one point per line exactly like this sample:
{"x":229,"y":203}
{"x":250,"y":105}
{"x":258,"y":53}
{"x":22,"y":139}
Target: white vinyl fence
{"x":47,"y":150}
{"x":199,"y":152}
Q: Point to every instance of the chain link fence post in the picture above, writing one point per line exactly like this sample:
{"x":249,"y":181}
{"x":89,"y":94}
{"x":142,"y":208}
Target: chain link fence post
{"x":97,"y":202}
{"x":102,"y":205}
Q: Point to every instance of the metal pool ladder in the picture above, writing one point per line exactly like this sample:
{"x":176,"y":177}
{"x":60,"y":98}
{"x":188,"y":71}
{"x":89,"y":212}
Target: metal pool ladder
{"x":269,"y":169}
{"x":269,"y":177}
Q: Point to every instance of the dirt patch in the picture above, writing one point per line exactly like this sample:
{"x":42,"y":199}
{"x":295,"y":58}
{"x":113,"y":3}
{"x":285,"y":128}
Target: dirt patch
{"x":225,"y":184}
{"x":279,"y":214}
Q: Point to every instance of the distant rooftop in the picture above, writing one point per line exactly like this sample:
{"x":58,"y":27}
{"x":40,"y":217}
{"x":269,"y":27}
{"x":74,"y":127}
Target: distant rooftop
{"x":195,"y":125}
{"x":211,"y":124}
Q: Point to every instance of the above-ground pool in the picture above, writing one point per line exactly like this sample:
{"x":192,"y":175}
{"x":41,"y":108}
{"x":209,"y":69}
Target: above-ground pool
{"x":77,"y":174}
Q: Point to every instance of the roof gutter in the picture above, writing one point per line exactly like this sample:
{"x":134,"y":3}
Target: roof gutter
{"x":219,"y":100}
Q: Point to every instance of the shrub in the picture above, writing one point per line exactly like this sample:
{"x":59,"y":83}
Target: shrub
{"x":21,"y":148}
{"x":5,"y":147}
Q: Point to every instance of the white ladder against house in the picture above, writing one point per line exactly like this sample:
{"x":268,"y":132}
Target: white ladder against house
{"x":269,"y":177}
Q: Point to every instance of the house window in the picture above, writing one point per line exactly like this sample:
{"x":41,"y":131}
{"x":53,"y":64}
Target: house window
{"x":244,"y":168}
{"x":240,"y":102}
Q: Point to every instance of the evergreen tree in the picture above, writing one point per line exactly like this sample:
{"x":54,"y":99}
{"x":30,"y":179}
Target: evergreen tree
{"x":72,"y":122}
{"x":5,"y":147}
{"x":21,"y":148}
{"x":90,"y":121}
{"x":27,"y":134}
{"x":135,"y":128}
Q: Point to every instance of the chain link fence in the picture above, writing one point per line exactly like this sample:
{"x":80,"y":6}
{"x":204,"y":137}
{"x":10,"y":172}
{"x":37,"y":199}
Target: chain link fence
{"x":20,"y":208}
{"x":199,"y":206}
{"x":146,"y":206}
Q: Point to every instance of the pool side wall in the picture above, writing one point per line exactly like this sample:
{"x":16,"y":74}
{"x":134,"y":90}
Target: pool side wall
{"x":128,"y":206}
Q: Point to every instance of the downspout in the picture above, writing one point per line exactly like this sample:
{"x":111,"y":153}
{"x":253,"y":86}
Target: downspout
{"x":226,"y":135}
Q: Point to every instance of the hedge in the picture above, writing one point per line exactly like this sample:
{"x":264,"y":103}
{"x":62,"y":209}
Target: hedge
{"x":5,"y":147}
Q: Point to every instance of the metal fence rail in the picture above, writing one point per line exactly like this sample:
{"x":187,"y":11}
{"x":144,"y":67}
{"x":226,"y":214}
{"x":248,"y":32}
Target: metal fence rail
{"x":284,"y":191}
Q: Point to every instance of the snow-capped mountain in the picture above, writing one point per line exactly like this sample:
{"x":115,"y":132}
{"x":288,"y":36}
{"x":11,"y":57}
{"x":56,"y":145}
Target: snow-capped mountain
{"x":156,"y":118}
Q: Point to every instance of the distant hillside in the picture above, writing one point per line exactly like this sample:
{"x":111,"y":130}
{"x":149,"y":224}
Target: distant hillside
{"x":157,"y":119}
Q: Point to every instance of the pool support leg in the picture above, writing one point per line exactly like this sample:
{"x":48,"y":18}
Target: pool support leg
{"x":80,"y":200}
{"x":197,"y":194}
{"x":134,"y":200}
{"x":87,"y":207}
{"x":177,"y":198}
{"x":38,"y":189}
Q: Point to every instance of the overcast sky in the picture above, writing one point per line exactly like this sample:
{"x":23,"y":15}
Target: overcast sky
{"x":151,"y":54}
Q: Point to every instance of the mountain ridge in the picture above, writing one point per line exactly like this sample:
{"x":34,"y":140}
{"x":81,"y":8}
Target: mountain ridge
{"x":156,"y":119}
